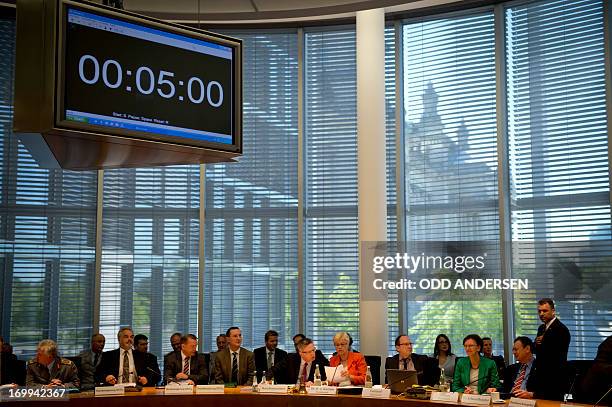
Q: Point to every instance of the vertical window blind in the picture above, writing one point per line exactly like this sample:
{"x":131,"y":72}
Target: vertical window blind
{"x":330,"y":132}
{"x":251,"y":206}
{"x":559,"y":163}
{"x":150,"y":241}
{"x":451,"y":160}
{"x":47,"y":236}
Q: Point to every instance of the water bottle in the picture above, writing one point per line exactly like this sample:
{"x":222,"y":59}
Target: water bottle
{"x":442,"y":382}
{"x":368,"y":378}
{"x":317,"y":376}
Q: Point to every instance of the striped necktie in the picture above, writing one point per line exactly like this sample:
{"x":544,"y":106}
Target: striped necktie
{"x":519,"y":379}
{"x":235,"y":367}
{"x":186,"y":366}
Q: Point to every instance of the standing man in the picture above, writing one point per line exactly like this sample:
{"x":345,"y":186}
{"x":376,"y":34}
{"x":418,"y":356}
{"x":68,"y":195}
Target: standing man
{"x":152,"y":373}
{"x":426,"y":368}
{"x":90,"y":360}
{"x":234,"y":364}
{"x":551,"y":347}
{"x":521,"y":378}
{"x":49,"y":370}
{"x":487,"y":352}
{"x":299,"y":366}
{"x":269,"y":355}
{"x":188,"y":364}
{"x":122,"y":365}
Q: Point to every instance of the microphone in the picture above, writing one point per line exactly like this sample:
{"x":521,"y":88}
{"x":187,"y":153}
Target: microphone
{"x":568,"y":395}
{"x":603,"y":397}
{"x":478,"y":380}
{"x":334,"y":375}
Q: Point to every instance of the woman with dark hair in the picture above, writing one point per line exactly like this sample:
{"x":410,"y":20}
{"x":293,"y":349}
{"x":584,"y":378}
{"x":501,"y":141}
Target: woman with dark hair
{"x":475,"y":374}
{"x":446,"y":358}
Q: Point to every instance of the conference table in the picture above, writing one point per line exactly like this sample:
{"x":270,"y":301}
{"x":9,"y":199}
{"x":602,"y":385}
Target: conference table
{"x":152,"y":397}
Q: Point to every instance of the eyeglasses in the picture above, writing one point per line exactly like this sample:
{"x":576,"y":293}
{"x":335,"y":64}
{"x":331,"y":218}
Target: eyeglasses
{"x":405,"y":344}
{"x":341,"y":345}
{"x":469,"y":346}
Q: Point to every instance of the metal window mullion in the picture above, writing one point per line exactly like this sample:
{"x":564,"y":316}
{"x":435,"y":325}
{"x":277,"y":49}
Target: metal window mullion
{"x":201,"y":257}
{"x":503,"y":181}
{"x":608,"y":80}
{"x":301,"y":183}
{"x":98,"y":252}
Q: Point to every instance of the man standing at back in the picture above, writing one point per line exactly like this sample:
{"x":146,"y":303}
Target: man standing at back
{"x":551,"y":347}
{"x":269,"y":355}
{"x":234,"y":365}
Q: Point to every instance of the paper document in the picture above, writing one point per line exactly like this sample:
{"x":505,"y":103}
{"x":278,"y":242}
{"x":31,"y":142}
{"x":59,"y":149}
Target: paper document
{"x":334,"y":374}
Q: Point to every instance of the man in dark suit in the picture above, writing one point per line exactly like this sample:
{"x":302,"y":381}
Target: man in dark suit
{"x":300,"y":365}
{"x":7,"y":369}
{"x":426,"y":368}
{"x":521,"y":378}
{"x":269,"y":355}
{"x":551,"y":347}
{"x":122,"y":365}
{"x":175,"y":342}
{"x":90,"y":360}
{"x":152,"y":373}
{"x":187,"y":364}
{"x":598,"y":379}
{"x":297,"y":338}
{"x":234,"y":364}
{"x":487,"y":351}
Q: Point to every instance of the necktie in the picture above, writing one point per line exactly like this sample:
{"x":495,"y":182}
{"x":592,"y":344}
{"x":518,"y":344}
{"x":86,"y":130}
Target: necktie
{"x":519,"y":378}
{"x":235,"y":368}
{"x":405,"y":364}
{"x":270,"y":360}
{"x":125,"y":376}
{"x":186,"y":366}
{"x":96,"y":358}
{"x":305,"y":373}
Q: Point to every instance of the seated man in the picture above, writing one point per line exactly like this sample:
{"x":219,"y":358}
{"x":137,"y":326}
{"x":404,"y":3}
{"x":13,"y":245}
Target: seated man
{"x":487,"y":352}
{"x":187,"y":364}
{"x":7,"y":370}
{"x":234,"y":364}
{"x":299,"y":366}
{"x":152,"y":373}
{"x":521,"y":378}
{"x":269,"y":355}
{"x":122,"y":365}
{"x":90,"y":360}
{"x":427,"y":368}
{"x":49,"y":370}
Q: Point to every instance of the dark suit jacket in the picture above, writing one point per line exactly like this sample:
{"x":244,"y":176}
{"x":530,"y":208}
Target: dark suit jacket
{"x":598,"y":378}
{"x":512,"y":373}
{"x":501,"y":365}
{"x":551,"y":359}
{"x":428,"y":372}
{"x":261,"y":359}
{"x":87,"y":369}
{"x":8,"y":369}
{"x":110,"y":365}
{"x":198,"y":370}
{"x":152,"y":372}
{"x":223,"y":367}
{"x":288,"y":370}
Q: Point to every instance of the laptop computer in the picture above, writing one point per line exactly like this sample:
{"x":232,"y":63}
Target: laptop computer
{"x":400,"y":380}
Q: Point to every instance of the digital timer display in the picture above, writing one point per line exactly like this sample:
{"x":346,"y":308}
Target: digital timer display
{"x":125,"y":76}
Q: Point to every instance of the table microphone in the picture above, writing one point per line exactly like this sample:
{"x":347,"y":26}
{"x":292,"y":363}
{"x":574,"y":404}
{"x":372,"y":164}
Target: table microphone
{"x":603,"y":397}
{"x":568,"y":395}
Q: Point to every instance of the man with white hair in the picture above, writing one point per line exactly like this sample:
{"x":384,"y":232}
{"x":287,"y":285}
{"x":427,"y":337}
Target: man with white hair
{"x":122,"y":365}
{"x":47,"y":369}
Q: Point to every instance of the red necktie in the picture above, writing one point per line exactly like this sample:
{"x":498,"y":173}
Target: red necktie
{"x":519,"y":378}
{"x":305,"y":373}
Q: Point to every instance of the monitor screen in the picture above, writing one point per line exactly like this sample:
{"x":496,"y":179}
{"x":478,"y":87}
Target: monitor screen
{"x":129,"y":77}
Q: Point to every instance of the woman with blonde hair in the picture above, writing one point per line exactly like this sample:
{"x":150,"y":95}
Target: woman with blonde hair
{"x":354,"y":363}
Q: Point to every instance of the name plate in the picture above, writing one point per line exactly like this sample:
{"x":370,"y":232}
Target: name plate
{"x":376,"y":393}
{"x":517,"y":402}
{"x":210,"y":389}
{"x":476,"y":399}
{"x":323,"y":390}
{"x":272,"y":388}
{"x":178,"y":390}
{"x":452,"y":397}
{"x":107,"y":391}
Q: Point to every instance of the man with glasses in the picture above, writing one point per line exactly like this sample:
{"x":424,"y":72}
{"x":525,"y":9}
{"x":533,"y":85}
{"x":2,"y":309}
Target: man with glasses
{"x":426,"y":368}
{"x":300,"y":366}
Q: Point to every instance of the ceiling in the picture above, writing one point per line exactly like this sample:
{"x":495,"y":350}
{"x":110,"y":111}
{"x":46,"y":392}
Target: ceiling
{"x":266,"y":11}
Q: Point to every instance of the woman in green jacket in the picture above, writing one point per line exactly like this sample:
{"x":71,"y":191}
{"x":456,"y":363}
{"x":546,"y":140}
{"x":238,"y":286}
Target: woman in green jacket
{"x":475,"y":374}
